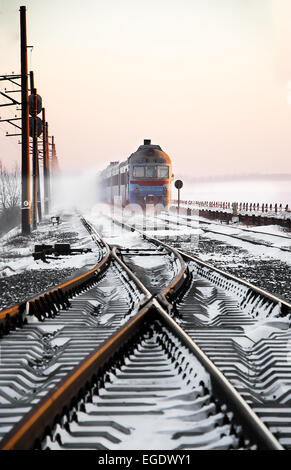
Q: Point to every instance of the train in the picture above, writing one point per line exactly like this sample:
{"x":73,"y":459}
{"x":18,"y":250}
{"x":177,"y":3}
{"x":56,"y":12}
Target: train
{"x":144,"y":178}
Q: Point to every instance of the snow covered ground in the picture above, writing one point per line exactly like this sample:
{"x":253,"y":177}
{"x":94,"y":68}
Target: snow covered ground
{"x":267,"y":267}
{"x":253,"y":188}
{"x":16,"y":251}
{"x":113,"y":234}
{"x":22,"y":277}
{"x":267,"y":235}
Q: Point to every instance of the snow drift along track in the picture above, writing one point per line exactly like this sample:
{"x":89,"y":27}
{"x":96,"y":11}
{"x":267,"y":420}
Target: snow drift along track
{"x":47,"y":303}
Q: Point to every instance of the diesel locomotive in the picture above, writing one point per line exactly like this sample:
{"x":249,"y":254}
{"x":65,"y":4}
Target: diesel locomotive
{"x":144,"y":178}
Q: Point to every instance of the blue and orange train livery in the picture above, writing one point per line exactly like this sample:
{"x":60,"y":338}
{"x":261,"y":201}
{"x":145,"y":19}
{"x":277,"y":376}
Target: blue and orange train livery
{"x":144,"y":178}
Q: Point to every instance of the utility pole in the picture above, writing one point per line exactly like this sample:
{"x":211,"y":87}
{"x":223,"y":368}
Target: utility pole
{"x":34,"y":158}
{"x":45,"y":162}
{"x":25,"y":166}
{"x":47,"y":168}
{"x":38,"y":193}
{"x":54,"y":155}
{"x":35,"y":103}
{"x":33,"y":112}
{"x":53,"y":167}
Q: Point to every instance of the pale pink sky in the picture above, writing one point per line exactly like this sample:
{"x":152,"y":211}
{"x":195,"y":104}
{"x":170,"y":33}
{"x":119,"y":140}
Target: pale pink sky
{"x":207,"y":80}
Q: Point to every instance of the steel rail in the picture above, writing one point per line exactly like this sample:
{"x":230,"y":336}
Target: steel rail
{"x":44,"y":415}
{"x":225,"y":391}
{"x":236,"y":237}
{"x":257,"y":429}
{"x":135,"y":279}
{"x":185,"y":217}
{"x":15,"y":315}
{"x":285,"y":306}
{"x":177,"y":281}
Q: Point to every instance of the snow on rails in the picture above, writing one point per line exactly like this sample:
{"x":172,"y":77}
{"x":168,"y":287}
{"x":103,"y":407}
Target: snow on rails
{"x":129,"y":318}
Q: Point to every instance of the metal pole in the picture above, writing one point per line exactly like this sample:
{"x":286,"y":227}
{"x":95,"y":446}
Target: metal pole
{"x":25,"y":162}
{"x":48,"y":168}
{"x":53,"y":165}
{"x":44,"y":148}
{"x":178,"y":200}
{"x":38,"y":191}
{"x":37,"y":158}
{"x":34,"y":159}
{"x":53,"y":155}
{"x":35,"y":179}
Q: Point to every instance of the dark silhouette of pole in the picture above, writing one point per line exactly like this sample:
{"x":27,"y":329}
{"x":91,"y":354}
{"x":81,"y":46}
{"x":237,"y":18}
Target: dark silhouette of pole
{"x":35,"y":153}
{"x":25,"y":161}
{"x":53,"y":153}
{"x":53,"y":166}
{"x":48,"y":168}
{"x":45,"y":163}
{"x":179,"y":186}
{"x":33,"y":112}
{"x":38,"y":193}
{"x":34,"y":159}
{"x":54,"y":156}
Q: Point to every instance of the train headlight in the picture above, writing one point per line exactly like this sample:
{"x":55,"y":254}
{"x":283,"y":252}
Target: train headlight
{"x":165,"y":189}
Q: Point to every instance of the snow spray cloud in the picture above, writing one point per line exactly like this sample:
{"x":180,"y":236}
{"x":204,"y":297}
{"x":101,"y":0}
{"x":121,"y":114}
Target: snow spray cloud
{"x":81,"y":192}
{"x":168,"y":225}
{"x":73,"y":191}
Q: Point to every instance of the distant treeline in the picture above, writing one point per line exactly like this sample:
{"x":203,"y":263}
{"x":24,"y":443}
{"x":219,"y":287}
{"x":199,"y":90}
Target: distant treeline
{"x":10,"y":187}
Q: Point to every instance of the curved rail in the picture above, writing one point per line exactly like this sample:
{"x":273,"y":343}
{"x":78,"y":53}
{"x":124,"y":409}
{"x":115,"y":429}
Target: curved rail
{"x":235,"y":227}
{"x":44,"y":414}
{"x":51,"y":408}
{"x":177,"y":281}
{"x":45,"y":303}
{"x":284,"y":306}
{"x":256,"y":428}
{"x":236,"y":237}
{"x":148,"y":295}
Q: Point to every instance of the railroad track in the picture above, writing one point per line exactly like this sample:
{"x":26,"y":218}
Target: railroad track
{"x":184,"y":401}
{"x":58,"y":330}
{"x":229,"y":319}
{"x":47,"y":304}
{"x":191,"y":222}
{"x":155,"y":395}
{"x":239,"y":228}
{"x":96,"y":355}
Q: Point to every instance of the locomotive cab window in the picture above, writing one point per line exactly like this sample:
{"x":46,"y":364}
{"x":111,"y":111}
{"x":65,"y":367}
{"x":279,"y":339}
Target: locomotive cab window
{"x":150,"y":171}
{"x":163,"y":172}
{"x":138,"y":171}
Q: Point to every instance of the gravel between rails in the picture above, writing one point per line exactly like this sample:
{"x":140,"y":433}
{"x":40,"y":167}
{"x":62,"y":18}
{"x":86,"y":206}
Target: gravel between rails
{"x":269,"y":274}
{"x":22,"y":278}
{"x":19,"y":287}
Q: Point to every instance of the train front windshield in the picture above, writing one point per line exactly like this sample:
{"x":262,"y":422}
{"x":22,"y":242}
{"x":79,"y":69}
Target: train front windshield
{"x":151,"y":171}
{"x":138,"y":171}
{"x":163,"y":172}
